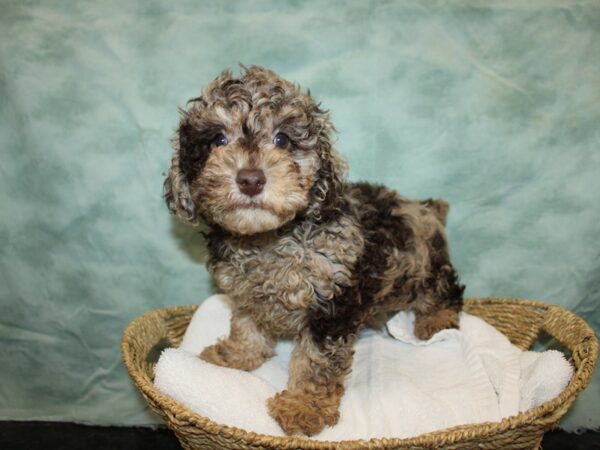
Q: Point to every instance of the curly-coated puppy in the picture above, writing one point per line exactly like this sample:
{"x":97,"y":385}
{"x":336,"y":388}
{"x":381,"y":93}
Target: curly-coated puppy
{"x":302,"y":253}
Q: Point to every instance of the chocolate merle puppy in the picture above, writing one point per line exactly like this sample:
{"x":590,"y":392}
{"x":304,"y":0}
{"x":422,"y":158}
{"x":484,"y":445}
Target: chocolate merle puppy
{"x":302,"y":253}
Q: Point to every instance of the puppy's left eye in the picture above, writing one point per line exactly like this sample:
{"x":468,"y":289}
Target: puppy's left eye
{"x":281,"y":140}
{"x":219,"y":140}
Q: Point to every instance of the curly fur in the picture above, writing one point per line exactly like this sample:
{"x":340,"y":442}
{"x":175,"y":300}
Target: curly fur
{"x":312,"y":257}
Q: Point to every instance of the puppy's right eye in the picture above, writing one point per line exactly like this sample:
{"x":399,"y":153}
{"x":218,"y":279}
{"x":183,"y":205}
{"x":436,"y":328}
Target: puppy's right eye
{"x":219,"y":141}
{"x":281,"y":140}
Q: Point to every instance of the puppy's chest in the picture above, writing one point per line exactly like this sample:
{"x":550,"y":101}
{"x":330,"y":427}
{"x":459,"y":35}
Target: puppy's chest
{"x":276,"y":282}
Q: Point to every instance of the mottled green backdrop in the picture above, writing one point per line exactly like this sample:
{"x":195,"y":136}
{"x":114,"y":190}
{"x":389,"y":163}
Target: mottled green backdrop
{"x":494,"y":106}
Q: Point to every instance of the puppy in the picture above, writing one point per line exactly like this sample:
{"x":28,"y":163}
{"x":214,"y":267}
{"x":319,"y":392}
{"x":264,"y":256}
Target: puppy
{"x":302,"y":253}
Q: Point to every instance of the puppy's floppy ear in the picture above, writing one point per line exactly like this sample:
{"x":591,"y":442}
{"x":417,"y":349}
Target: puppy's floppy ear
{"x":327,"y":189}
{"x":176,"y":189}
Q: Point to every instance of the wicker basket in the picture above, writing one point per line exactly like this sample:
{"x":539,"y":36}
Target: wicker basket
{"x":521,"y":321}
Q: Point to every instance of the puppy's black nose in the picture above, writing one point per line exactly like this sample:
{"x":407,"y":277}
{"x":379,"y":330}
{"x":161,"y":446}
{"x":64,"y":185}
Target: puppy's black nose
{"x":251,"y":181}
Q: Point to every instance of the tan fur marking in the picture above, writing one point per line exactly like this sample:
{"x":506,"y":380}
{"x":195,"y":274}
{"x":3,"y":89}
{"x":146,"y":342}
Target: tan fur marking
{"x":428,"y":325}
{"x":245,"y":348}
{"x":415,"y":259}
{"x":298,"y":412}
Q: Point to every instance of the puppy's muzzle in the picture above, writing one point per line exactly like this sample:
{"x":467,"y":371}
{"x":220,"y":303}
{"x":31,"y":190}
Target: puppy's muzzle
{"x":250,"y":181}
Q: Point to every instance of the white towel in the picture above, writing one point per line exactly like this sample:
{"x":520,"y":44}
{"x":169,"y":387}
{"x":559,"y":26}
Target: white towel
{"x":399,"y":386}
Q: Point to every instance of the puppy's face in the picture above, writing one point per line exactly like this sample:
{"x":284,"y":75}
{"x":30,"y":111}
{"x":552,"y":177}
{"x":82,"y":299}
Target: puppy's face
{"x":251,"y":154}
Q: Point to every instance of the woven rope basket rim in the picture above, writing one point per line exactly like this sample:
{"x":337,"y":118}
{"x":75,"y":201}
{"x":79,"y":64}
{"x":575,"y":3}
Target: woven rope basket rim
{"x":579,"y":338}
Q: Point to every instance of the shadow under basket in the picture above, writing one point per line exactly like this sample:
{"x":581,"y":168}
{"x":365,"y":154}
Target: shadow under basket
{"x":522,"y":321}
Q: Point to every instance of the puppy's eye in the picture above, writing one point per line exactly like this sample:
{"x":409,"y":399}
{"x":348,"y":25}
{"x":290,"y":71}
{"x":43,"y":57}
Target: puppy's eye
{"x":281,"y":140}
{"x":219,"y":141}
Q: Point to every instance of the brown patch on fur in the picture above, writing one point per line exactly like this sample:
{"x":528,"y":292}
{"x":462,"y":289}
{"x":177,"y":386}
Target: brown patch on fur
{"x":428,"y":325}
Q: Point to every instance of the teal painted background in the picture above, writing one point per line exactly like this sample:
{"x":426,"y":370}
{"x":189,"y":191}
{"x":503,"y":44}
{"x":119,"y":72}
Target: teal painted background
{"x":494,"y":106}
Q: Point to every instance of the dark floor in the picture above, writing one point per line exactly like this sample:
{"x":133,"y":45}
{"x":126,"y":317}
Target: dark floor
{"x":68,"y":436}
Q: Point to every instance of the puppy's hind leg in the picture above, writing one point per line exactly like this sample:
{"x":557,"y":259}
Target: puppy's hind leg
{"x":440,"y":305}
{"x":428,"y":324}
{"x":246,"y":347}
{"x":315,"y":385}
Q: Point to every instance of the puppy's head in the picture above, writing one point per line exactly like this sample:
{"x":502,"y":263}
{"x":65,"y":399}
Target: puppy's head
{"x":251,"y":154}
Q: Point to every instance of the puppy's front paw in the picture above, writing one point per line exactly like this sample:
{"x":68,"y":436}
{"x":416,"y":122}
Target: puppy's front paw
{"x":225,"y":355}
{"x":427,"y":325}
{"x":299,"y":412}
{"x":214,"y":354}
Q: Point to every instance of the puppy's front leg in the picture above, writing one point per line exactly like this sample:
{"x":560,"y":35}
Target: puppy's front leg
{"x":315,"y":385}
{"x":246,"y":347}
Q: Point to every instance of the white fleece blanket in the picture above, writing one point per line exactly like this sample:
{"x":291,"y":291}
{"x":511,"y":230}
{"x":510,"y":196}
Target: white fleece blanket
{"x":399,"y":386}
